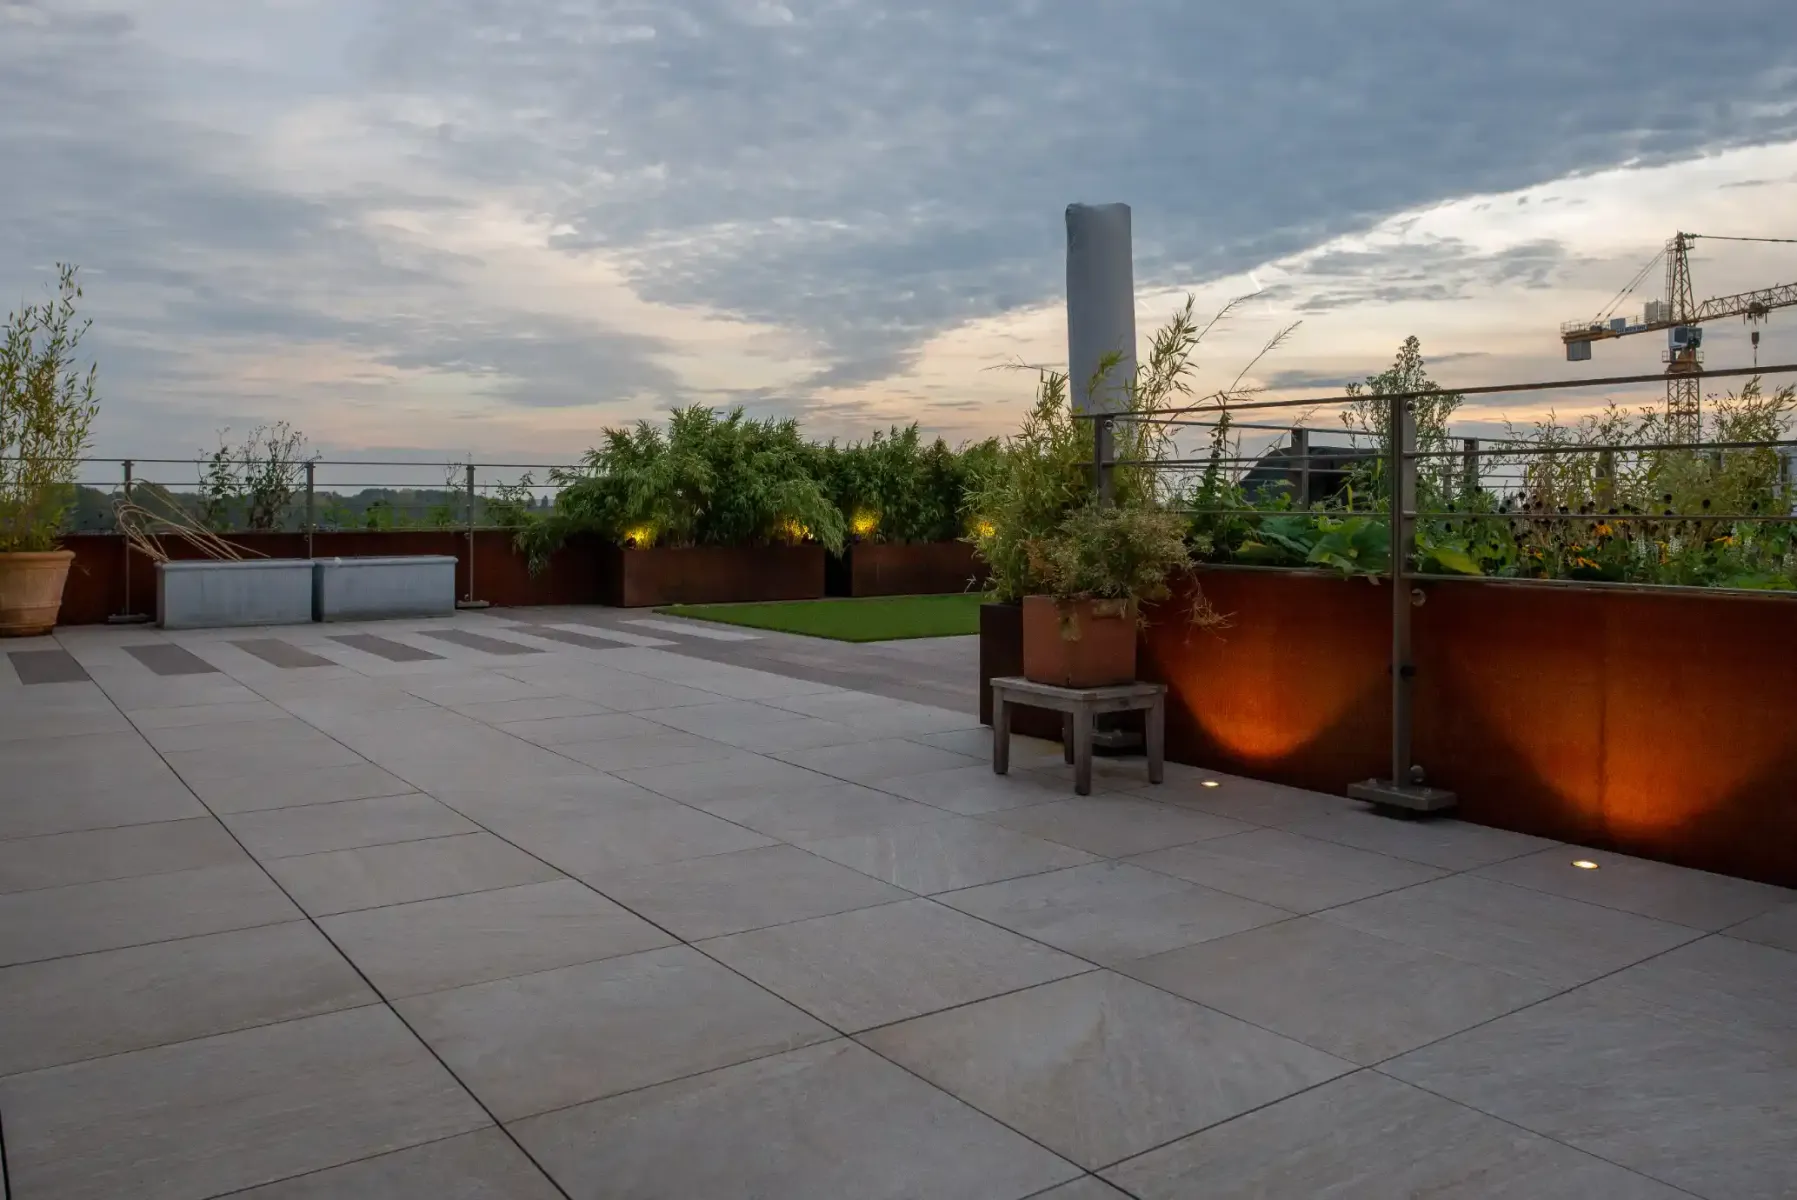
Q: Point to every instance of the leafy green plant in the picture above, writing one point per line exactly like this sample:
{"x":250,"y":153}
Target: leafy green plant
{"x":47,"y":405}
{"x":710,"y":479}
{"x":1126,"y":554}
{"x":255,"y":482}
{"x":896,"y":488}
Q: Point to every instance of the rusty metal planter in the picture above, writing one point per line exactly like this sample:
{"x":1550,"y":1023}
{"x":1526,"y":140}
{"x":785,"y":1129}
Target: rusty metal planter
{"x":711,"y":574}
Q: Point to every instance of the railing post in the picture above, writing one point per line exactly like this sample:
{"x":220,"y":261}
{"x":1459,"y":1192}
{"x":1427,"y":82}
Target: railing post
{"x":1606,"y":481}
{"x":1469,"y":467}
{"x":1300,"y":453}
{"x":311,"y":506}
{"x":1404,"y":790}
{"x":470,"y":533}
{"x":1103,"y":451}
{"x":125,"y":548}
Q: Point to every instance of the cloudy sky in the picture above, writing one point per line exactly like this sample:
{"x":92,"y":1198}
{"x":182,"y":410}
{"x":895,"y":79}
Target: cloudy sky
{"x":497,"y":225}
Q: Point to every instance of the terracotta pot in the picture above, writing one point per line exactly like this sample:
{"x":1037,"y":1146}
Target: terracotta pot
{"x":31,"y":590}
{"x":1079,"y":643}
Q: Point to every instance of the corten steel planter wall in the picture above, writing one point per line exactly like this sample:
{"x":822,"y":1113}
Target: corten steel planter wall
{"x":1656,"y":725}
{"x":96,"y":589}
{"x":1295,"y":690}
{"x":710,"y":574}
{"x":905,"y":569}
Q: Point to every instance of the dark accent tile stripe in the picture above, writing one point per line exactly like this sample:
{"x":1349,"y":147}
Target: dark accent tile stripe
{"x":570,"y":637}
{"x":281,"y":654}
{"x":166,"y":658}
{"x":479,"y":641}
{"x":382,"y":647}
{"x":46,"y":666}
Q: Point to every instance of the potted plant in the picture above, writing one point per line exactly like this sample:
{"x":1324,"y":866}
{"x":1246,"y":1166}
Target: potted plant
{"x":47,"y":405}
{"x":1100,"y":566}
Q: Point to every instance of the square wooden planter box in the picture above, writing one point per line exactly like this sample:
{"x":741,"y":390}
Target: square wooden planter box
{"x":711,"y":574}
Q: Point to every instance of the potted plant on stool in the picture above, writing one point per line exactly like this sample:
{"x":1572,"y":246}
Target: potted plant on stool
{"x":46,"y":406}
{"x":1100,"y":565}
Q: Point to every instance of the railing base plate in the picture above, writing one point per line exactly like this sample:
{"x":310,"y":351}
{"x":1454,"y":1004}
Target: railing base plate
{"x":1407,"y":797}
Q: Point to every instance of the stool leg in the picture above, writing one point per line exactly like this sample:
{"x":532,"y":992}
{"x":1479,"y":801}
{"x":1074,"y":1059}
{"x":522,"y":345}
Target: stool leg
{"x":1067,"y":738}
{"x":1001,"y":734}
{"x":1157,"y":740}
{"x":1082,"y":752}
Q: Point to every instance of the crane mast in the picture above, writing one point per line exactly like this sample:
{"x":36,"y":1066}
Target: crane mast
{"x":1681,"y":316}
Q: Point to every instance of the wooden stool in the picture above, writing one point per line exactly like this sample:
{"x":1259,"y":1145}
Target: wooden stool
{"x":1078,"y":707}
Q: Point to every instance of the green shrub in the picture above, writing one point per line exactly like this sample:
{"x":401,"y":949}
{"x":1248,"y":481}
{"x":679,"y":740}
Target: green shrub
{"x":46,"y":406}
{"x":895,"y":488}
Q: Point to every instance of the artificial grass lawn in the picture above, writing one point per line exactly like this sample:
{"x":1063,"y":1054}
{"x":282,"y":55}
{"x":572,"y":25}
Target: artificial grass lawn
{"x":871,"y":619}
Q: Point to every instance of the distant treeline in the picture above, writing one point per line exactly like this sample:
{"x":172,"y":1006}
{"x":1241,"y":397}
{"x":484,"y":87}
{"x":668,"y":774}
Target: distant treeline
{"x":370,"y":508}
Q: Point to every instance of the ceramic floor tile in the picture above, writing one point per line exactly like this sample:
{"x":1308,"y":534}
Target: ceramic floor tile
{"x":1710,"y":1110}
{"x":822,"y":1123}
{"x":1099,"y":1068}
{"x":373,"y":876}
{"x":1523,"y":932}
{"x":1367,"y":1137}
{"x":1776,"y":928}
{"x":1439,"y":841}
{"x":1115,"y":826}
{"x":745,"y":889}
{"x":718,"y":779}
{"x":668,"y":748}
{"x":312,"y":785}
{"x":79,"y":919}
{"x":556,"y":1038}
{"x":871,"y":761}
{"x":1110,"y":913}
{"x":974,"y":791}
{"x":1089,"y":1188}
{"x":433,"y":945}
{"x":554,"y":731}
{"x":1255,"y":801}
{"x":940,"y":856}
{"x":861,"y":969}
{"x":218,"y":1115}
{"x":345,"y":825}
{"x":595,"y":845}
{"x":527,"y":708}
{"x":1351,"y":994}
{"x":91,"y":856}
{"x":834,"y":810}
{"x":485,"y":1165}
{"x":1282,"y":869}
{"x":120,"y":1000}
{"x":1736,"y":984}
{"x":1652,"y":889}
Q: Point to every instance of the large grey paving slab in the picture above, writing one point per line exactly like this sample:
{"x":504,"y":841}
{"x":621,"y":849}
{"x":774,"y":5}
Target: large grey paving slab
{"x":281,"y":654}
{"x":527,"y":708}
{"x":36,"y":667}
{"x":1089,"y":1188}
{"x":554,"y":731}
{"x":1738,"y":985}
{"x":974,"y":791}
{"x":1099,"y":1067}
{"x":232,"y":736}
{"x":833,"y":810}
{"x":484,"y":1165}
{"x":544,"y":1041}
{"x":120,"y":1000}
{"x":1559,"y":941}
{"x":1437,"y":841}
{"x":1698,"y":899}
{"x":1282,"y":869}
{"x":166,"y":658}
{"x":1256,"y":801}
{"x":872,"y":761}
{"x":594,"y":845}
{"x":90,"y":856}
{"x":372,"y":876}
{"x":1368,"y":1137}
{"x":260,"y":760}
{"x":480,"y":641}
{"x":1110,"y":913}
{"x":498,"y":803}
{"x":345,"y":825}
{"x":716,"y":779}
{"x":433,"y":945}
{"x":310,"y":785}
{"x":1776,"y":928}
{"x":667,"y":748}
{"x":229,"y":1112}
{"x":98,"y":781}
{"x":821,"y":1123}
{"x":720,"y":718}
{"x":1708,"y":1109}
{"x":874,"y":966}
{"x":745,"y":889}
{"x":387,"y":648}
{"x":939,"y":856}
{"x":1356,"y":996}
{"x":81,"y":918}
{"x":230,"y":713}
{"x":1115,"y":826}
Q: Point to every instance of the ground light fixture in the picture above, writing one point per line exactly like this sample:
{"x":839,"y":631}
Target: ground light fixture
{"x":1584,"y":864}
{"x":1210,"y":783}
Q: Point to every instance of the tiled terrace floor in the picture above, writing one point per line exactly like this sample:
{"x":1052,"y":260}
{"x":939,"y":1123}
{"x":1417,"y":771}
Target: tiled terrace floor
{"x":585,"y":908}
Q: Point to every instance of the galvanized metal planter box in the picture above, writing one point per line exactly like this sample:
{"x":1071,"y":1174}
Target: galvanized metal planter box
{"x":209,"y":594}
{"x":365,"y":589}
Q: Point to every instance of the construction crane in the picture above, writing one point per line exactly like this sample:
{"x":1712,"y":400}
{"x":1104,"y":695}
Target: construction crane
{"x":1682,"y":317}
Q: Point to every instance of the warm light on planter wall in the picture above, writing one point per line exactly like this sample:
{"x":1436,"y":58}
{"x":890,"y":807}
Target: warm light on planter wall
{"x":640,"y":538}
{"x":865,"y":523}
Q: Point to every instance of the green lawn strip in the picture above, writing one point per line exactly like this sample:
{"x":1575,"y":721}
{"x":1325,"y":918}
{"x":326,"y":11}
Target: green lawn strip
{"x":873,"y":619}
